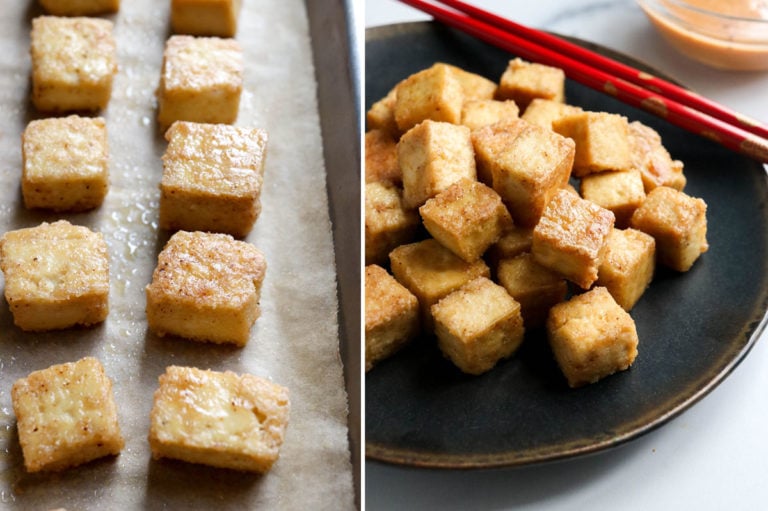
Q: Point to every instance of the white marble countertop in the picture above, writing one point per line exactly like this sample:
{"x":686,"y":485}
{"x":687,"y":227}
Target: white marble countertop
{"x":715,"y":455}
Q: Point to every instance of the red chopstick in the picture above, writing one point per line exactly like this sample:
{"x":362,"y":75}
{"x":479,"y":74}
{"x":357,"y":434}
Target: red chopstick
{"x":733,"y":136}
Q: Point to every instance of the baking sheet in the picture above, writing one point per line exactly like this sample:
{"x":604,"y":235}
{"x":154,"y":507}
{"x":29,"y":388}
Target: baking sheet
{"x":295,"y":342}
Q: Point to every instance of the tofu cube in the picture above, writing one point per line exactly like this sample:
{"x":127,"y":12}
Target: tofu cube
{"x":524,"y":81}
{"x":477,"y":113}
{"x":220,"y":419}
{"x":66,"y":416}
{"x":206,"y":287}
{"x":73,"y":63}
{"x":381,"y":115}
{"x":205,"y":17}
{"x":433,"y":156}
{"x":628,"y":266}
{"x":678,"y":223}
{"x":621,"y":192}
{"x":571,"y":237}
{"x":381,"y":162}
{"x":602,"y":141}
{"x":65,"y":163}
{"x":56,"y":276}
{"x":201,"y":80}
{"x":543,"y":112}
{"x":434,"y":93}
{"x":80,"y":7}
{"x":467,"y":218}
{"x":388,"y":223}
{"x":652,"y":159}
{"x":513,"y":242}
{"x":478,"y":325}
{"x":391,"y":315}
{"x":212,"y":178}
{"x":474,"y":86}
{"x":591,"y":337}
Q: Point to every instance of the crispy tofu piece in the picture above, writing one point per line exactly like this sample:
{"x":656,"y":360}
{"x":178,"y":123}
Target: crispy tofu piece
{"x":212,"y":178}
{"x":628,"y":266}
{"x":478,"y":325}
{"x":434,"y":93}
{"x":65,"y":163}
{"x":73,"y":63}
{"x":477,"y":113}
{"x":66,"y":416}
{"x":388,"y":223}
{"x":381,"y":115}
{"x":571,"y":237}
{"x":652,"y":159}
{"x":381,"y":158}
{"x":491,"y":143}
{"x":473,"y":85}
{"x":591,"y":337}
{"x":433,"y":156}
{"x":56,"y":276}
{"x":80,"y":7}
{"x":391,"y":315}
{"x":678,"y":223}
{"x":543,"y":112}
{"x":513,"y":242}
{"x":205,"y":17}
{"x":524,"y":81}
{"x":602,"y":141}
{"x":206,"y":287}
{"x":201,"y":80}
{"x":620,"y":192}
{"x":221,"y":419}
{"x":467,"y":218}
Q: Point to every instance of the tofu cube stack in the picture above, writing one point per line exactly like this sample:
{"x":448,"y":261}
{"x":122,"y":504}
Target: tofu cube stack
{"x":533,"y":214}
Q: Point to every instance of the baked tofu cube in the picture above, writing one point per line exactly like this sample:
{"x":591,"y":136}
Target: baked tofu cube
{"x":652,"y":159}
{"x":206,"y":287}
{"x":433,"y":156}
{"x":220,"y":419}
{"x":388,"y":223}
{"x":466,"y":218}
{"x":66,"y":416}
{"x":430,"y":271}
{"x":56,"y":276}
{"x":200,"y":81}
{"x":478,"y":325}
{"x":381,"y":158}
{"x":524,"y":81}
{"x":65,"y":163}
{"x":678,"y":223}
{"x":205,"y":17}
{"x":391,"y":315}
{"x":602,"y":141}
{"x":628,"y":266}
{"x":570,"y":237}
{"x":80,"y":7}
{"x":513,"y":242}
{"x":381,"y":115}
{"x":434,"y":93}
{"x":535,"y":287}
{"x":212,"y":178}
{"x":543,"y":112}
{"x":73,"y":63}
{"x":620,"y":192}
{"x":591,"y":337}
{"x":477,"y":113}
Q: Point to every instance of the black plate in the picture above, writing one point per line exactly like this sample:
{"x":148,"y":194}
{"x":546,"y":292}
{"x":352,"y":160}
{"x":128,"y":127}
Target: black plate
{"x":694,"y":328}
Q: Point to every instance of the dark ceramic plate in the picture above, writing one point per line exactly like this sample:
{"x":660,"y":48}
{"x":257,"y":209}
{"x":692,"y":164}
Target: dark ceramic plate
{"x":694,"y":328}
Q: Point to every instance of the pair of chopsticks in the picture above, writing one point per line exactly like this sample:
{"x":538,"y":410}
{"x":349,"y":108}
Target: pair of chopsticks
{"x":639,"y":89}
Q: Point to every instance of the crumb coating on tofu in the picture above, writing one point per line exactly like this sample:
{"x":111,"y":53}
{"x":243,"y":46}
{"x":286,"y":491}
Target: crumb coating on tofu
{"x":202,"y":63}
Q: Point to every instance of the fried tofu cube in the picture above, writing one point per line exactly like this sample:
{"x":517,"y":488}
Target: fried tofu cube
{"x":478,"y":325}
{"x":388,"y":223}
{"x":515,"y":241}
{"x":477,"y":113}
{"x":391,"y":315}
{"x":66,"y":416}
{"x":621,"y":192}
{"x":534,"y":286}
{"x":381,"y":158}
{"x":201,"y":80}
{"x":591,"y":337}
{"x":467,"y":218}
{"x":628,"y":266}
{"x":206,"y":287}
{"x":212,"y":178}
{"x":56,"y":276}
{"x":433,"y":156}
{"x":524,"y":81}
{"x":80,"y":7}
{"x":652,"y":159}
{"x":543,"y":112}
{"x":473,"y":85}
{"x":205,"y":17}
{"x":65,"y":163}
{"x":381,"y":115}
{"x":678,"y":223}
{"x":220,"y":419}
{"x":571,"y":237}
{"x":434,"y":93}
{"x":491,"y":143}
{"x":73,"y":63}
{"x":602,"y":141}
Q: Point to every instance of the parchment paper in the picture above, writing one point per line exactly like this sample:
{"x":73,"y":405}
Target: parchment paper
{"x":294,"y":342}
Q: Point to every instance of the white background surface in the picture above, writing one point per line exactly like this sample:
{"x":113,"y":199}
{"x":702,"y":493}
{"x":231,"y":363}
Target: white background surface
{"x":715,"y":455}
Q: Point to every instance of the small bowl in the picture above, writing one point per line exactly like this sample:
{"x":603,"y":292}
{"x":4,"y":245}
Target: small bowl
{"x":736,"y":39}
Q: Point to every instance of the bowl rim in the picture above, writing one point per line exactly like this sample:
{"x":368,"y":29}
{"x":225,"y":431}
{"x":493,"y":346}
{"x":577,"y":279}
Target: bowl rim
{"x":684,"y":5}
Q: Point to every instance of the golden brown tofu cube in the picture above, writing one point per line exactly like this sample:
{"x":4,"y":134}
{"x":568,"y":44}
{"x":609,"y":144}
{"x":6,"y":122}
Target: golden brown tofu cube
{"x":73,"y":63}
{"x":205,"y":17}
{"x":543,"y":112}
{"x":66,"y":416}
{"x":524,"y":81}
{"x":391,"y":315}
{"x":80,"y":7}
{"x":381,"y":158}
{"x":478,"y":325}
{"x":513,"y":242}
{"x":621,"y":192}
{"x":206,"y":287}
{"x":473,"y":85}
{"x":388,"y":223}
{"x":221,"y":419}
{"x":570,"y":237}
{"x":212,"y":178}
{"x":652,"y":159}
{"x":477,"y":113}
{"x":433,"y":156}
{"x":201,"y":80}
{"x":628,"y":266}
{"x":678,"y":223}
{"x":490,"y":144}
{"x":65,"y":163}
{"x":434,"y":93}
{"x":602,"y":141}
{"x":56,"y":276}
{"x":381,"y":115}
{"x":591,"y":337}
{"x":467,"y":218}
